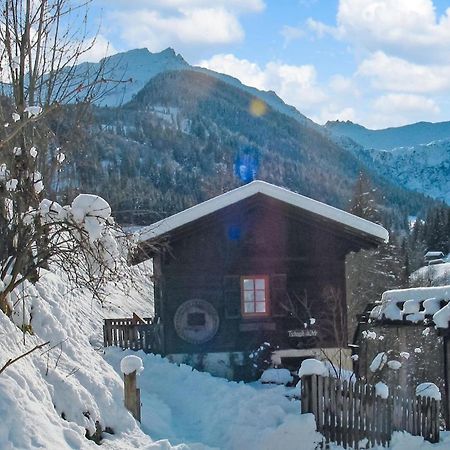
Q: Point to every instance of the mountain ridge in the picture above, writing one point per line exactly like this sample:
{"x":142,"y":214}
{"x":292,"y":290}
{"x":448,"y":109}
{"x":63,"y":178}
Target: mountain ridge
{"x":141,"y":65}
{"x":393,"y":137}
{"x":165,"y":152}
{"x":175,"y":141}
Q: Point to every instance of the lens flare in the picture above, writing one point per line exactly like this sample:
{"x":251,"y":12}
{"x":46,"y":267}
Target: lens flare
{"x":257,"y":107}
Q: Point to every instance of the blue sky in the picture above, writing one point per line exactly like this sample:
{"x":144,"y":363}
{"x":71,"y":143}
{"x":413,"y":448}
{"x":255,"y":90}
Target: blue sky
{"x":380,"y":63}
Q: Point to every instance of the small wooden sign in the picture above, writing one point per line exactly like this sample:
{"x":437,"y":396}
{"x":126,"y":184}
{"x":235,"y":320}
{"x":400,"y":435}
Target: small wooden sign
{"x":302,"y":333}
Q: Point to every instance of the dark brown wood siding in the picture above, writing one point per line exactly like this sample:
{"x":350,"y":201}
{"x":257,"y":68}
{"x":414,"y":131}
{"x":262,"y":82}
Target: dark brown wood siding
{"x":259,"y":235}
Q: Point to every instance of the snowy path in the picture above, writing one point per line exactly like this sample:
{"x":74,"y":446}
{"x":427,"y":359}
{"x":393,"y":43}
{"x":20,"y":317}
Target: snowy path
{"x":196,"y":411}
{"x":185,"y":406}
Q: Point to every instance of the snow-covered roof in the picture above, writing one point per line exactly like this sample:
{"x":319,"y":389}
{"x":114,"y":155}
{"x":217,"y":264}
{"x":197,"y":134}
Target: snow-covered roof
{"x":433,"y":255}
{"x":261,"y":187}
{"x":430,"y":305}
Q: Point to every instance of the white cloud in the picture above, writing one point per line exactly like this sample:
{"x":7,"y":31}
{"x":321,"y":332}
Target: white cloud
{"x":335,"y":112}
{"x":409,"y":29}
{"x":405,"y":103}
{"x":101,"y":48}
{"x":395,"y":74}
{"x":402,"y":49}
{"x":340,"y":98}
{"x":321,"y":29}
{"x":296,"y":85}
{"x":197,"y":26}
{"x":180,"y":23}
{"x":246,"y":71}
{"x":291,"y":34}
{"x":237,"y":6}
{"x":342,"y":85}
{"x":401,"y":109}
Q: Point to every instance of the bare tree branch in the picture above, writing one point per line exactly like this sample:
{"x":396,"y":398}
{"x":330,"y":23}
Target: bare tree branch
{"x":12,"y":361}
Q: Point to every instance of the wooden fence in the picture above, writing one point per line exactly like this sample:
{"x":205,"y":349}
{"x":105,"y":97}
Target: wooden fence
{"x":347,"y":413}
{"x":133,"y":333}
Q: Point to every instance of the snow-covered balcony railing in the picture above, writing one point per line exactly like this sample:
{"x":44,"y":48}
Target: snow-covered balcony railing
{"x":133,"y":333}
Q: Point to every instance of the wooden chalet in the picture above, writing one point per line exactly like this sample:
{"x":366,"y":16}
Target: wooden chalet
{"x":250,"y":267}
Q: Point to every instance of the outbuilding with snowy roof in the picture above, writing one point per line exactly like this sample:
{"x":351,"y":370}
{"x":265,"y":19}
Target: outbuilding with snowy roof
{"x":250,"y":266}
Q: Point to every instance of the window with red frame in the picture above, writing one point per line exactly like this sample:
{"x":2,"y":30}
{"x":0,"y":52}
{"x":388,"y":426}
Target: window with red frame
{"x":255,"y":295}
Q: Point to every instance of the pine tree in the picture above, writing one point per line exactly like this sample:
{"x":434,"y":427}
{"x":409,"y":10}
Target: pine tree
{"x":371,"y":272}
{"x":364,"y":201}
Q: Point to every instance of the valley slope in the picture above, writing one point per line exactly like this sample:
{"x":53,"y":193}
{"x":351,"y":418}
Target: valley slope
{"x":415,"y":156}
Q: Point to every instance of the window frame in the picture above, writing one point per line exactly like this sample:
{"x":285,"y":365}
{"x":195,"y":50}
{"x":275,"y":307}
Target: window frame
{"x":253,"y":277}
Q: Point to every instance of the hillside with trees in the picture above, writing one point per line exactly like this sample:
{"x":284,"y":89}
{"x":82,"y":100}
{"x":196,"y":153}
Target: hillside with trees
{"x":176,"y":144}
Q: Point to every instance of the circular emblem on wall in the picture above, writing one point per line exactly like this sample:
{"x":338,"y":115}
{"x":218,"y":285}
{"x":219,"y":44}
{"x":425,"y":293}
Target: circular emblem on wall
{"x":196,"y":321}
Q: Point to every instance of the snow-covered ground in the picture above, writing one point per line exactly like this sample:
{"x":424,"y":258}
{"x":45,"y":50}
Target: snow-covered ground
{"x":205,"y":412}
{"x":433,"y":275}
{"x":49,"y":398}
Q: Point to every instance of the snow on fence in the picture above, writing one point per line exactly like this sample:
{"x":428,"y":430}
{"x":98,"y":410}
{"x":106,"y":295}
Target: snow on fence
{"x":133,"y":333}
{"x":347,"y":413}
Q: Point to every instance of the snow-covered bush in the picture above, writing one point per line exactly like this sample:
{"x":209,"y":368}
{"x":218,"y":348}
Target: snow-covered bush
{"x":387,"y":361}
{"x":261,"y":358}
{"x":81,"y":238}
{"x":276,"y":376}
{"x":382,"y":390}
{"x":35,"y":230}
{"x":378,"y":362}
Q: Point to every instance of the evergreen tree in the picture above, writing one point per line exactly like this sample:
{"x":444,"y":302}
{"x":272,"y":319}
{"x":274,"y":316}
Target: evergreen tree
{"x":371,"y":272}
{"x":364,"y":201}
{"x":430,"y":233}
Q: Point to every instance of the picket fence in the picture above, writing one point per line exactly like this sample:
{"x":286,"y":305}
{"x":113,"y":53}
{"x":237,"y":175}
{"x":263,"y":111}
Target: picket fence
{"x":349,"y":412}
{"x":133,"y":333}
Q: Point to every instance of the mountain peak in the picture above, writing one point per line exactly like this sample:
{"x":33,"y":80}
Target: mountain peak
{"x":139,"y":66}
{"x":168,"y":51}
{"x":342,"y":123}
{"x":143,"y":51}
{"x":147,"y":57}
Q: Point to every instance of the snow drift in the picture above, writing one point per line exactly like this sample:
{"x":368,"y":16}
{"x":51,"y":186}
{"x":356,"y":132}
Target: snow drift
{"x":51,"y":397}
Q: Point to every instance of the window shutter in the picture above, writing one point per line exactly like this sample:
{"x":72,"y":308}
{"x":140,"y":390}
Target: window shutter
{"x":278,"y":294}
{"x":232,"y":296}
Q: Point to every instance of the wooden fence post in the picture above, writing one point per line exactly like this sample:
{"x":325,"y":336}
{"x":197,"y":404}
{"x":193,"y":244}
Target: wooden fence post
{"x":306,"y":403}
{"x":132,"y":395}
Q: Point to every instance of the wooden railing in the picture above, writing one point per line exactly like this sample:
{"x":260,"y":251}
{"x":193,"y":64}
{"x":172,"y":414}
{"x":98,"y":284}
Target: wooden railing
{"x":347,"y":413}
{"x":133,"y":333}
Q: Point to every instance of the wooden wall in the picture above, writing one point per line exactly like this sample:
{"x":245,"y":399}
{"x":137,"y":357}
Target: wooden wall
{"x":205,"y":260}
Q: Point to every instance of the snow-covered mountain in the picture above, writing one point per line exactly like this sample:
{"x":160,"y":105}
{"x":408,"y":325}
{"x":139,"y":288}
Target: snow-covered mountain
{"x":390,"y":138}
{"x":415,"y":156}
{"x":127,"y":73}
{"x":135,"y":68}
{"x":422,"y":168}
